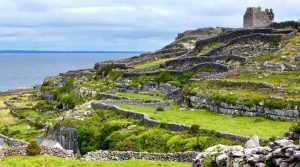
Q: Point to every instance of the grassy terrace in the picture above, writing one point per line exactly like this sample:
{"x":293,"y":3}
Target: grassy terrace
{"x":248,"y":126}
{"x":152,"y":63}
{"x":259,"y":93}
{"x":289,"y":80}
{"x":140,"y":96}
{"x":47,"y":161}
{"x":13,"y":127}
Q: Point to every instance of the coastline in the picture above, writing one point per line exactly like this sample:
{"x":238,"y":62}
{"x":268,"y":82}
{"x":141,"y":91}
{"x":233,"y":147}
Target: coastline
{"x":20,"y":90}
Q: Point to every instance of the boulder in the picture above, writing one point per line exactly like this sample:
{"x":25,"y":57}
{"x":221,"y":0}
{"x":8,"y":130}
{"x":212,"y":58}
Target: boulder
{"x":252,"y":142}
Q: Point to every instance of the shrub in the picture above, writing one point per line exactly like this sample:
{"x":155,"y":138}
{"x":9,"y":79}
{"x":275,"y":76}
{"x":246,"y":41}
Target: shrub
{"x":163,"y":76}
{"x":195,"y":128}
{"x":160,"y":109}
{"x":210,"y":160}
{"x":295,"y":128}
{"x":43,"y":106}
{"x":156,"y":140}
{"x":252,"y":102}
{"x":33,"y":148}
{"x":68,"y":100}
{"x":276,"y":42}
{"x":15,"y":132}
{"x":163,"y":125}
{"x":275,"y":103}
{"x":126,"y":146}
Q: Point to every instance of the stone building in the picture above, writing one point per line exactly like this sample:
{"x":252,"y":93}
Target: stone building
{"x":256,"y":18}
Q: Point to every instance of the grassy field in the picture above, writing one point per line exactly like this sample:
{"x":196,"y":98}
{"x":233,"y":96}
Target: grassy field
{"x":152,"y":63}
{"x":248,"y":126}
{"x":47,"y":161}
{"x":140,"y":96}
{"x":16,"y":128}
{"x":289,"y":80}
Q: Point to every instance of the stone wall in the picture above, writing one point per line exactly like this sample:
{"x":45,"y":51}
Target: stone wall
{"x":191,"y":61}
{"x":127,"y":155}
{"x":82,"y":92}
{"x":82,"y":72}
{"x":148,"y":103}
{"x":18,"y":147}
{"x":230,"y":35}
{"x":58,"y":152}
{"x":101,"y":65}
{"x":11,"y":142}
{"x":170,"y":126}
{"x":152,"y":68}
{"x":216,"y":66}
{"x":230,"y":109}
{"x":280,"y":153}
{"x":287,"y":24}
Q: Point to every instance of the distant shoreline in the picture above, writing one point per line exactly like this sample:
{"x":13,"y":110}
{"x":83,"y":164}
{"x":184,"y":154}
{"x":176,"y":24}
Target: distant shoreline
{"x":43,"y":51}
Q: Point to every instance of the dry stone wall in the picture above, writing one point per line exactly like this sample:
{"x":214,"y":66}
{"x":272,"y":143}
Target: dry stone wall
{"x":148,"y":103}
{"x":18,"y":147}
{"x":280,"y":153}
{"x":170,"y":126}
{"x":230,"y":109}
{"x":11,"y":142}
{"x":191,"y":61}
{"x":127,"y":155}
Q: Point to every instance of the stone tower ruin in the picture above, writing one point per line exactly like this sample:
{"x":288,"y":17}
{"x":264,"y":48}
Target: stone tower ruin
{"x":256,"y":18}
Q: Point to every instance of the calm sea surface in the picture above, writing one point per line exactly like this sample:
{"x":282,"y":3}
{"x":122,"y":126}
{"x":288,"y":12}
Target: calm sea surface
{"x":19,"y":70}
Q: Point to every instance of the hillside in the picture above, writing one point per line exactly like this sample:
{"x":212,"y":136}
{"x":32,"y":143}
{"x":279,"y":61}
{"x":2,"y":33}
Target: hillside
{"x":210,"y":86}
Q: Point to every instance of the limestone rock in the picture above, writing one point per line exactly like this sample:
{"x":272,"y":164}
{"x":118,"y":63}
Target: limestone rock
{"x":252,"y":142}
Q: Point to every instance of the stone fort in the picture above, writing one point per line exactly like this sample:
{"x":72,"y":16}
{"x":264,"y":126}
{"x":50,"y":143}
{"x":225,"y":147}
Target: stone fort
{"x":255,"y":17}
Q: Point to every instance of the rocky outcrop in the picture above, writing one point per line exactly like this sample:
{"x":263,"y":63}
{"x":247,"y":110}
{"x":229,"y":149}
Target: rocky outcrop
{"x":127,"y":155}
{"x":280,"y":153}
{"x":65,"y":136}
{"x":102,"y":65}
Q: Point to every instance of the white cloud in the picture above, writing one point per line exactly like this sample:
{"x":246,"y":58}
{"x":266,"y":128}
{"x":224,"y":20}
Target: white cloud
{"x":119,"y":24}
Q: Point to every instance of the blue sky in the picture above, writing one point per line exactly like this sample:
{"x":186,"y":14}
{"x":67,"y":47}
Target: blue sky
{"x":114,"y":25}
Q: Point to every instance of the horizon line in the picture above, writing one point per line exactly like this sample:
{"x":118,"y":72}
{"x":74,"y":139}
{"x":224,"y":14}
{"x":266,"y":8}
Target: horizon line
{"x":66,"y":51}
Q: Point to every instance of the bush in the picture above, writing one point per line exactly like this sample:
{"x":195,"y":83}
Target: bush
{"x":195,"y":128}
{"x":276,"y":42}
{"x":33,"y":148}
{"x":155,"y":140}
{"x":160,"y":109}
{"x":43,"y":106}
{"x":126,"y":146}
{"x":252,"y":102}
{"x":68,"y":100}
{"x":275,"y":103}
{"x":163,"y":125}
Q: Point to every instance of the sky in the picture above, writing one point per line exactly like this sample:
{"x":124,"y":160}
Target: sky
{"x":119,"y":25}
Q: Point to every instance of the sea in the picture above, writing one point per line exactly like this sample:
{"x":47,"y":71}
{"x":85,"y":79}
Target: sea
{"x":26,"y":69}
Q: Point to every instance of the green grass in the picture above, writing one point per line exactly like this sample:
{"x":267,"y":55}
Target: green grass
{"x":289,"y":80}
{"x":248,"y":126}
{"x":6,"y":118}
{"x":152,"y":63}
{"x":48,"y":161}
{"x":140,"y":96}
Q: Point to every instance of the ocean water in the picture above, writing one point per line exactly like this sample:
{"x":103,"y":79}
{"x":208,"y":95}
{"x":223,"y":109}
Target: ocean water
{"x":21,"y":70}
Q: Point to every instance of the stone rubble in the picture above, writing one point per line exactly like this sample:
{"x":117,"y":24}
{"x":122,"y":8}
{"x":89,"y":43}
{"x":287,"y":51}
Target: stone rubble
{"x":281,"y":153}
